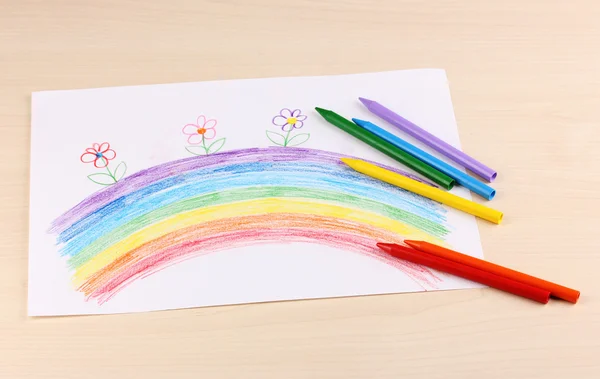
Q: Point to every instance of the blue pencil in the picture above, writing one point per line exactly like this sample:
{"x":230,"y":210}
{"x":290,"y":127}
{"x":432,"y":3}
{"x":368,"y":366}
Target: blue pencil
{"x":461,"y":178}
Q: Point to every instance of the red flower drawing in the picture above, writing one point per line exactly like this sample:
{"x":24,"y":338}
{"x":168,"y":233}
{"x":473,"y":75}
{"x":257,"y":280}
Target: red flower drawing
{"x":99,"y":154}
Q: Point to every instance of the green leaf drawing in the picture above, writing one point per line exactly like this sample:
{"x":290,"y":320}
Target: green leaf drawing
{"x":216,"y":146}
{"x":276,"y":138}
{"x":196,"y":150}
{"x":120,"y":171}
{"x":102,"y":179}
{"x":298,"y":139}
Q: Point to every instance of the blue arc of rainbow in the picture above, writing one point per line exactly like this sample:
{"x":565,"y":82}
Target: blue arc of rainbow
{"x":182,"y":209}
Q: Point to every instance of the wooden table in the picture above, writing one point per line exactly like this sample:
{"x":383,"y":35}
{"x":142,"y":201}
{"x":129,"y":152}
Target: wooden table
{"x":525,"y":79}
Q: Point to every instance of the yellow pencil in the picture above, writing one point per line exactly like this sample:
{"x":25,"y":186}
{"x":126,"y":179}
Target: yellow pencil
{"x":424,"y":190}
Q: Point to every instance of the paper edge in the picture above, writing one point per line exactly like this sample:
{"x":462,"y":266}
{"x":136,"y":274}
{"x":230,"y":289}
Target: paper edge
{"x":439,"y":70}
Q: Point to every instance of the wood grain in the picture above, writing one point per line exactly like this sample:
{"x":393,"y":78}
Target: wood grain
{"x":525,"y":79}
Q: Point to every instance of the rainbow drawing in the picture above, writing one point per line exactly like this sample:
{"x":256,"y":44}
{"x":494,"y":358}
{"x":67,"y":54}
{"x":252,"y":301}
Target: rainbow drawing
{"x":204,"y":204}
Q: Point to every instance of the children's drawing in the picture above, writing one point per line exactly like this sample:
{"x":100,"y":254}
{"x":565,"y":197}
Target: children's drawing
{"x":289,"y":121}
{"x":100,"y":156}
{"x":182,"y":209}
{"x":199,"y":134}
{"x":268,"y":213}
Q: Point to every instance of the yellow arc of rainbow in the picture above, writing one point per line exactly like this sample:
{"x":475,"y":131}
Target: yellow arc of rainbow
{"x":238,"y":209}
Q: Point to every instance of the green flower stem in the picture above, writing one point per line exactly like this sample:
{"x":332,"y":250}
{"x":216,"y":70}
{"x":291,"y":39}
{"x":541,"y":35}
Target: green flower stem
{"x":108,"y":169}
{"x":111,"y":174}
{"x":285,"y":141}
{"x":204,"y":145}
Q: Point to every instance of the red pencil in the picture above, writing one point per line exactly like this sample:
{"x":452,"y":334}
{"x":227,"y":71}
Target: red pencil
{"x":467,"y":272}
{"x":556,"y":290}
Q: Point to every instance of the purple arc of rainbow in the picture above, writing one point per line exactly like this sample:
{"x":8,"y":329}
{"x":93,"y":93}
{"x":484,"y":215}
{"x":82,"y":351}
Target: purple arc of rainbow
{"x":186,"y":208}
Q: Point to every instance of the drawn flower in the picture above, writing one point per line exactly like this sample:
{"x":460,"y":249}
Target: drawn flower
{"x":289,"y":119}
{"x":99,"y":154}
{"x":197,"y":135}
{"x":202,"y":130}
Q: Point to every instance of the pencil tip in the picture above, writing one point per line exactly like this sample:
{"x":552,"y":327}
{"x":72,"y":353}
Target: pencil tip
{"x":359,"y":122}
{"x":366,"y":102}
{"x":354,"y":164}
{"x":321,"y":110}
{"x":387,"y":247}
{"x":413,"y":244}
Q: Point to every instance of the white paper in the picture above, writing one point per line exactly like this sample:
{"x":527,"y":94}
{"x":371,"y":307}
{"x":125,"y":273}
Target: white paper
{"x":144,"y":126}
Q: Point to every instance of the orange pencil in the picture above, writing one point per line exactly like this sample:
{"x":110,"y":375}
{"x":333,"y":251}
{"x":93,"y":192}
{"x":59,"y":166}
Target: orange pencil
{"x":467,"y":272}
{"x":555,"y":290}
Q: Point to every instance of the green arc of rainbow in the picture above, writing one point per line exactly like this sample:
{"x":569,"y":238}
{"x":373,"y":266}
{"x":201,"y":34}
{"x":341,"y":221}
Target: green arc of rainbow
{"x":183,"y":209}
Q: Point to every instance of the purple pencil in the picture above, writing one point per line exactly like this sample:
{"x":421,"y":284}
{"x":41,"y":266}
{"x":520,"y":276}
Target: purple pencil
{"x":429,"y":139}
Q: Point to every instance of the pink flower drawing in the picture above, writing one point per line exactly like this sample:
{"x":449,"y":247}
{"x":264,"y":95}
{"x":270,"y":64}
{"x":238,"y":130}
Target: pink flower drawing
{"x":202,"y":130}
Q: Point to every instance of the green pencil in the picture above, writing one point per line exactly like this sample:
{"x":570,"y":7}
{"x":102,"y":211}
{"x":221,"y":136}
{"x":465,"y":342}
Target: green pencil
{"x":387,"y":148}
